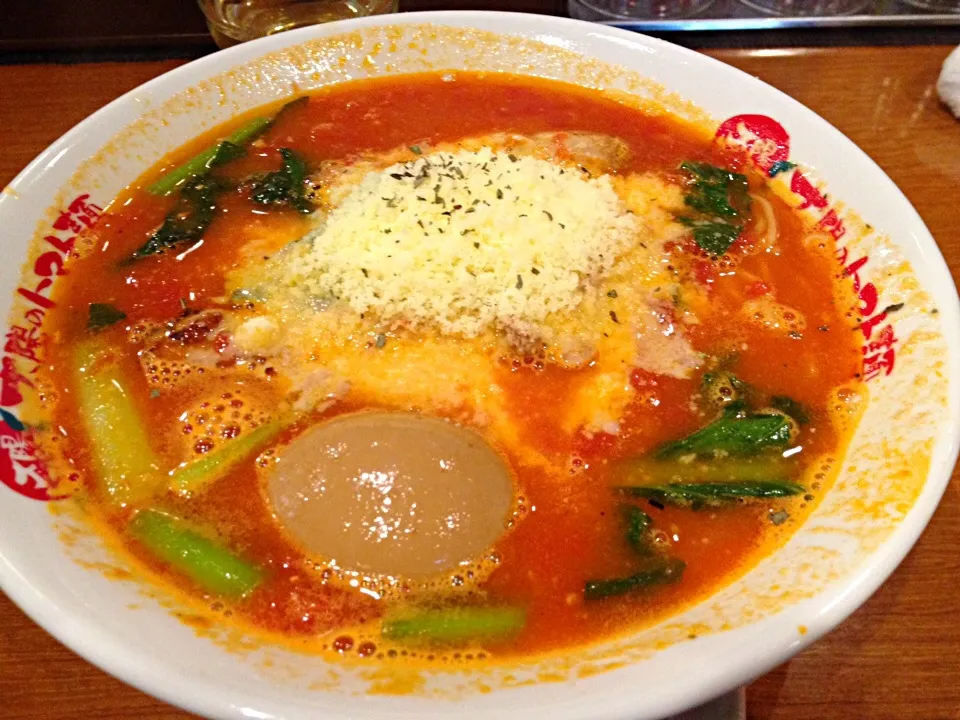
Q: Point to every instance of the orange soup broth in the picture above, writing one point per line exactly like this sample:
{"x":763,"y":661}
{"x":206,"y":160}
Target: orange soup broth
{"x":570,"y":530}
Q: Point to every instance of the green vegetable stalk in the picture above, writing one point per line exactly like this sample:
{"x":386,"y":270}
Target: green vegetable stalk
{"x":700,"y":494}
{"x":210,"y":565}
{"x":125,"y":464}
{"x":224,"y":151}
{"x":639,"y":526}
{"x":666,"y":570}
{"x":196,"y":475}
{"x":455,"y":625}
{"x":646,"y":471}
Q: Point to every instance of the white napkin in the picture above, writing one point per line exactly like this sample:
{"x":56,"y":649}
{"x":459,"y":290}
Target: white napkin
{"x":948,"y":86}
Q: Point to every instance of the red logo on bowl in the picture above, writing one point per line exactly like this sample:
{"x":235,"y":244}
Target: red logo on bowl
{"x":761,"y":138}
{"x":766,"y":144}
{"x":20,"y":468}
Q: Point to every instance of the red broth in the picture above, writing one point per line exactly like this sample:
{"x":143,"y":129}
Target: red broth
{"x":569,"y":532}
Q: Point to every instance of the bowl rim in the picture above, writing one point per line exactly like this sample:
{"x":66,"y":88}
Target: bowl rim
{"x":821,"y":614}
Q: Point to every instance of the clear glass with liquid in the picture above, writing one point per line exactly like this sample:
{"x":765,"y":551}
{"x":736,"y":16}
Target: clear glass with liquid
{"x":800,"y":8}
{"x":625,"y":10}
{"x":943,"y":6}
{"x":236,"y":21}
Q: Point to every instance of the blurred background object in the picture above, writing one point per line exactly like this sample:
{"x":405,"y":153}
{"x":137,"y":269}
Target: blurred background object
{"x":948,"y":84}
{"x":809,"y":7}
{"x":637,"y":9}
{"x":105,"y":29}
{"x":236,"y":21}
{"x":762,"y":16}
{"x":949,"y":6}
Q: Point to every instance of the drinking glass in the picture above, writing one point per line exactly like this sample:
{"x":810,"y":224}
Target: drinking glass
{"x":796,"y":8}
{"x":236,"y":21}
{"x":635,"y":9}
{"x":948,"y":6}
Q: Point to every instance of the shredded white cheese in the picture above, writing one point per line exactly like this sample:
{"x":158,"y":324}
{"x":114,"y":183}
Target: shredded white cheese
{"x":467,"y":241}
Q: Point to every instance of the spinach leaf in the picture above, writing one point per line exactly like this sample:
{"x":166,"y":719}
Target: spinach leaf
{"x":732,"y":435}
{"x":285,"y":186}
{"x":715,"y":190}
{"x":714,"y":237}
{"x":103,"y":315}
{"x":186,"y":223}
{"x":721,"y":200}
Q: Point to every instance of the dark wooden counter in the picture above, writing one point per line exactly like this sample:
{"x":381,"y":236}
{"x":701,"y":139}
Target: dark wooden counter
{"x":897,"y":658}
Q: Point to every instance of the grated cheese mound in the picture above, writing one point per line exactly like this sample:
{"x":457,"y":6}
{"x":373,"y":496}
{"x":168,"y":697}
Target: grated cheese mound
{"x":467,"y":241}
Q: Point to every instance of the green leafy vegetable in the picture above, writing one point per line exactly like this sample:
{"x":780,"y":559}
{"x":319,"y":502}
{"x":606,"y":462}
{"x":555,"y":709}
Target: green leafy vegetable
{"x":102,"y":315}
{"x":198,"y":474}
{"x":714,"y":237}
{"x":647,"y":471}
{"x":291,"y":105}
{"x":223,"y":152}
{"x":285,"y":186}
{"x":715,"y":190}
{"x":656,"y":566}
{"x":780,"y":166}
{"x":455,"y":625}
{"x":187,"y":222}
{"x":732,"y":435}
{"x":210,"y":565}
{"x":639,"y":525}
{"x":668,"y":570}
{"x":125,"y":464}
{"x":721,"y":201}
{"x":790,"y":407}
{"x":700,"y":494}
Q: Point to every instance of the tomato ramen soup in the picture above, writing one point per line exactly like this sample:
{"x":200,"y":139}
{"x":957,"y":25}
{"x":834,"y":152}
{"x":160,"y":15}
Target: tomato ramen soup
{"x":439,"y":366}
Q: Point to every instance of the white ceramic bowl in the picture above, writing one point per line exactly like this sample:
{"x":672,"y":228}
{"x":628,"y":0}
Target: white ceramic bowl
{"x":891,"y":479}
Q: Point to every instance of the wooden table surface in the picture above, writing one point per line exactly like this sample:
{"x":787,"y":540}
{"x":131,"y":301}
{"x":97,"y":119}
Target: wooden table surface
{"x":897,"y":658}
